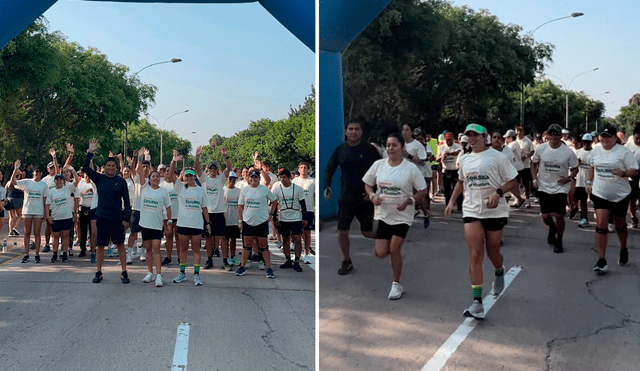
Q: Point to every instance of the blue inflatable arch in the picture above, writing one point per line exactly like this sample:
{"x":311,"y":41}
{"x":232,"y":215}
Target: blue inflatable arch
{"x":298,"y":16}
{"x":341,"y":21}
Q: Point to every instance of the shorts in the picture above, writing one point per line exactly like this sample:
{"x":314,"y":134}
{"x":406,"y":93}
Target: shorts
{"x":616,"y":208}
{"x":635,"y":192}
{"x":260,"y":230}
{"x":186,"y":231}
{"x":525,"y":175}
{"x":2,"y":214}
{"x":32,"y":216}
{"x":151,"y":234}
{"x":580,"y":194}
{"x":362,"y":210}
{"x":553,"y":203}
{"x":386,"y":231}
{"x":309,"y":216}
{"x":92,"y":214}
{"x":16,"y":203}
{"x":62,"y":225}
{"x":232,"y":232}
{"x":135,"y":221}
{"x":290,"y":228}
{"x":489,"y":224}
{"x":218,"y":224}
{"x":109,"y":230}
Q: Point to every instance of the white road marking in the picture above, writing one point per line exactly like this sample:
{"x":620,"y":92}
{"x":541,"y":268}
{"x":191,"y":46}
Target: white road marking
{"x":440,"y":358}
{"x":181,"y":349}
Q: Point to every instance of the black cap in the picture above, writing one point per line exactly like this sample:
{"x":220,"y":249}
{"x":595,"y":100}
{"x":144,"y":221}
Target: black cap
{"x":285,"y":172}
{"x":213,"y":165}
{"x":554,"y":129}
{"x":58,"y":176}
{"x":609,"y":131}
{"x":254,"y":174}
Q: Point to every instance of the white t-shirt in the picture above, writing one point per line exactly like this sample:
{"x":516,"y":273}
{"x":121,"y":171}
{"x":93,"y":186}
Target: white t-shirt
{"x":3,"y":193}
{"x":417,"y":150}
{"x":272,"y":176}
{"x":584,"y":158}
{"x":449,"y":162}
{"x":94,"y":202}
{"x":308,"y":185}
{"x":482,"y":173}
{"x":134,"y":193}
{"x":50,"y":180}
{"x":34,"y":195}
{"x":60,"y":202}
{"x":554,"y":163}
{"x":241,"y":184}
{"x":190,"y":203}
{"x":173,"y":196}
{"x":231,"y":199}
{"x":526,"y":147}
{"x":215,"y":196}
{"x":255,"y":203}
{"x":85,"y":199}
{"x":289,"y":201}
{"x":515,"y":148}
{"x":395,"y":185}
{"x":611,"y":187}
{"x":152,"y":205}
{"x":634,"y":149}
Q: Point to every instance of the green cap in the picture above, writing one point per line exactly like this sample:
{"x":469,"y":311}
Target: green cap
{"x":476,"y":128}
{"x":189,"y":172}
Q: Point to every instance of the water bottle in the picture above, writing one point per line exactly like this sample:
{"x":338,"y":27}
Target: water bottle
{"x":15,"y":245}
{"x":4,"y":245}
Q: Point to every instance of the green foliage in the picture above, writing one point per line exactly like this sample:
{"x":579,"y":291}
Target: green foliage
{"x":629,"y":115}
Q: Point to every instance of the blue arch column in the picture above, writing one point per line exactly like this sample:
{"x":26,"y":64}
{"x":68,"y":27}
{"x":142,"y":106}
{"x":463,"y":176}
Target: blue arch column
{"x":341,"y":21}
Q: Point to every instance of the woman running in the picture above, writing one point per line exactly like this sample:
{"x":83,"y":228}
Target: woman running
{"x":58,"y":211}
{"x":396,"y":179}
{"x":15,"y":197}
{"x":484,"y":176}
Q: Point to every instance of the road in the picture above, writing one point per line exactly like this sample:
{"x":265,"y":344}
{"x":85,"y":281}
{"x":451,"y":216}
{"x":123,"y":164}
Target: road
{"x":55,"y":318}
{"x":557,"y":314}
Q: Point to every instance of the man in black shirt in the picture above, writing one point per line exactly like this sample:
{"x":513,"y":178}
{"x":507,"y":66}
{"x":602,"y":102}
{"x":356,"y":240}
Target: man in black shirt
{"x":112,"y":220}
{"x":354,"y":158}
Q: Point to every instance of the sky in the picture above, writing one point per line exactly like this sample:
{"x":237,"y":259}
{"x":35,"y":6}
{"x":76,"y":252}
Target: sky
{"x":605,"y":37}
{"x":239,"y":64}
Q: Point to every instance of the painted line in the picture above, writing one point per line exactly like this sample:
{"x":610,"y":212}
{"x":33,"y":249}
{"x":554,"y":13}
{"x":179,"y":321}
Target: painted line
{"x":440,"y":358}
{"x":182,"y":348}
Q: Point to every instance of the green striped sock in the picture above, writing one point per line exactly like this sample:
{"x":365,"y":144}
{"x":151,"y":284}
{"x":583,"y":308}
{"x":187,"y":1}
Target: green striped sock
{"x":476,"y":290}
{"x":182,"y":267}
{"x":196,"y":269}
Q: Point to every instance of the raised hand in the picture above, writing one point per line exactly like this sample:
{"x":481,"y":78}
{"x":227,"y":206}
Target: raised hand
{"x":198,"y":151}
{"x":70,"y":148}
{"x":223,"y":151}
{"x":119,"y":156}
{"x":176,"y":156}
{"x":111,"y":154}
{"x":16,"y":165}
{"x":255,"y":156}
{"x":52,"y":152}
{"x":145,"y":151}
{"x":93,"y":145}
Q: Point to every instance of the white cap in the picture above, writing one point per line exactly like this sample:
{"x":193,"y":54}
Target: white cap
{"x":232,"y":174}
{"x":509,"y":133}
{"x":565,"y":131}
{"x":464,"y":139}
{"x":587,"y":137}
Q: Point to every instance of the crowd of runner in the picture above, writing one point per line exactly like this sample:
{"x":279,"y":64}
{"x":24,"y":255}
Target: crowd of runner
{"x":393,"y":182}
{"x":96,"y":206}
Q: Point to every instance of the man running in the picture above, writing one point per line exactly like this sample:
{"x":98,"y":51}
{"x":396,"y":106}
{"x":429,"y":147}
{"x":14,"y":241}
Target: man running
{"x":308,"y":185}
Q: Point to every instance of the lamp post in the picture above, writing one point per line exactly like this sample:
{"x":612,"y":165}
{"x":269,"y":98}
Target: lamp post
{"x":182,"y":137}
{"x":162,"y":128}
{"x":126,"y":125}
{"x":572,"y":15}
{"x":567,"y":96}
{"x":586,"y":114}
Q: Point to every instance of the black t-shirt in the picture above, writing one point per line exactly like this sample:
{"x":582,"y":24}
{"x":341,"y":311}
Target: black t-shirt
{"x":354,"y":161}
{"x":112,"y":192}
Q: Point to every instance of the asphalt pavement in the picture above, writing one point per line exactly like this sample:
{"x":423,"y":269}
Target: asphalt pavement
{"x":557,"y":314}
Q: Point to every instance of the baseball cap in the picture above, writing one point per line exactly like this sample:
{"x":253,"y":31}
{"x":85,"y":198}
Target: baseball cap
{"x":254,"y":174}
{"x":609,"y":131}
{"x":232,"y":174}
{"x":213,"y":165}
{"x":190,"y":172}
{"x":510,"y":133}
{"x":162,"y":166}
{"x":594,"y":134}
{"x":448,"y":135}
{"x":440,"y":137}
{"x":285,"y":172}
{"x":587,"y":137}
{"x":50,"y":164}
{"x":58,"y":176}
{"x":554,"y":129}
{"x":417,"y":131}
{"x":565,"y":131}
{"x":475,"y":128}
{"x":464,"y":139}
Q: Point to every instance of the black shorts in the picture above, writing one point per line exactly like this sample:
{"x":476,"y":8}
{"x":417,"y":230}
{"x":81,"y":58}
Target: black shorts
{"x":186,"y":231}
{"x":2,"y":214}
{"x":260,"y":230}
{"x":290,"y":228}
{"x":218,"y":224}
{"x":386,"y":231}
{"x":151,"y":234}
{"x":489,"y":224}
{"x":62,"y":225}
{"x":525,"y":175}
{"x":553,"y":203}
{"x":616,"y":208}
{"x":362,"y":210}
{"x":310,"y":218}
{"x":232,"y":232}
{"x":92,"y":214}
{"x":135,"y":221}
{"x":580,"y":194}
{"x":635,"y":193}
{"x":109,"y":230}
{"x":16,"y":203}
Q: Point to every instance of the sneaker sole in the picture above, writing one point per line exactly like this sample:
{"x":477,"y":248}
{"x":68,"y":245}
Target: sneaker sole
{"x":396,"y":297}
{"x":466,"y":313}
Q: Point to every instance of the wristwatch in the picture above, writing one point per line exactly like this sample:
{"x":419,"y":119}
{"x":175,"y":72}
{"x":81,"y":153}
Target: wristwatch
{"x":499,"y":192}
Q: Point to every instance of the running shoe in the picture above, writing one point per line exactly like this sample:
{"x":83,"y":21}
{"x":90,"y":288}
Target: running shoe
{"x":241,"y":271}
{"x":311,"y":251}
{"x":110,"y":252}
{"x":551,"y":237}
{"x":235,"y":261}
{"x":557,"y":247}
{"x":93,"y":259}
{"x":426,"y":222}
{"x":129,"y":253}
{"x":63,"y":257}
{"x":612,"y":228}
{"x":292,"y":248}
{"x":601,"y":266}
{"x":476,"y":310}
{"x":288,"y":264}
{"x":98,"y":277}
{"x":247,"y":265}
{"x":124,"y":277}
{"x":148,"y":278}
{"x":624,"y":257}
{"x":296,"y":266}
{"x":180,"y":278}
{"x":225,"y":265}
{"x":498,"y":285}
{"x":70,"y":251}
{"x":37,"y":258}
{"x":209,"y":264}
{"x":46,"y":248}
{"x":270,"y":273}
{"x":517,"y":205}
{"x":346,"y":267}
{"x":159,"y":282}
{"x":15,"y":232}
{"x":307,"y":260}
{"x":197,"y":280}
{"x":54,"y":258}
{"x":279,"y":244}
{"x":261,"y":265}
{"x":82,"y":253}
{"x":143,"y":254}
{"x":396,"y":291}
{"x":166,"y":261}
{"x":584,"y":223}
{"x":25,"y":259}
{"x":573,"y":212}
{"x":216,"y":253}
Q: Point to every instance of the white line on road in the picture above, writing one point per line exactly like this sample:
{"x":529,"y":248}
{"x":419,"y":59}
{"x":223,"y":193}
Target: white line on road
{"x":182,"y":348}
{"x":437,"y":362}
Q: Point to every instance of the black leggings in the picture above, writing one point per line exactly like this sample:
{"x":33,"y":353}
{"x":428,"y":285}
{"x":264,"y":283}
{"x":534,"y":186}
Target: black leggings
{"x":85,"y":225}
{"x":449,"y":181}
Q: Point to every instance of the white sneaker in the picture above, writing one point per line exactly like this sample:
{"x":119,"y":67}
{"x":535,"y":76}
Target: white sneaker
{"x":143,"y":254}
{"x":261,"y":265}
{"x":180,"y":278}
{"x":396,"y":291}
{"x":612,"y":228}
{"x":129,"y":255}
{"x":159,"y":280}
{"x":476,"y":310}
{"x":307,"y":260}
{"x":148,"y":278}
{"x":197,"y":280}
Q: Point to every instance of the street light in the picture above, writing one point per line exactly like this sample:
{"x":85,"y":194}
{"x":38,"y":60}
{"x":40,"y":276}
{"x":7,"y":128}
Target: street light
{"x":586,"y":114}
{"x":567,"y":96}
{"x":162,"y":128}
{"x":182,"y":137}
{"x":572,"y":15}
